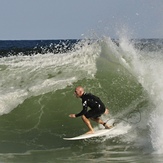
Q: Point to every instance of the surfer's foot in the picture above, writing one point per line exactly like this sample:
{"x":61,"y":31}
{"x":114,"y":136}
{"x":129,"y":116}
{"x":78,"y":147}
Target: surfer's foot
{"x":106,"y":126}
{"x":90,"y":132}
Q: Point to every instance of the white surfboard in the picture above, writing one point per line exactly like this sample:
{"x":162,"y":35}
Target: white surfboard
{"x":97,"y":133}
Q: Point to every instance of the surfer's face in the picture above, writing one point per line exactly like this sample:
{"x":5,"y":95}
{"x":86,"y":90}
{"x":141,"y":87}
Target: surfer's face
{"x":78,"y":92}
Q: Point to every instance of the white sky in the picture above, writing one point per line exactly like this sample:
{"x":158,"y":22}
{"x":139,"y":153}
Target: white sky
{"x":69,"y":19}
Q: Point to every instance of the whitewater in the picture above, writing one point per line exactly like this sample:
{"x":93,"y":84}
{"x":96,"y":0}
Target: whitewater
{"x":37,"y":97}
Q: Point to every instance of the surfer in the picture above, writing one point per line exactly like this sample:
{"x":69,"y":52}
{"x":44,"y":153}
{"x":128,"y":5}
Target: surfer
{"x":97,"y":108}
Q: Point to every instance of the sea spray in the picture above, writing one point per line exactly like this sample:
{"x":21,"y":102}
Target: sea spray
{"x":147,"y":67}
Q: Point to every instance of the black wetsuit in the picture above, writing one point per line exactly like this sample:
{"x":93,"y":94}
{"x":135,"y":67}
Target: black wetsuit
{"x":97,"y":108}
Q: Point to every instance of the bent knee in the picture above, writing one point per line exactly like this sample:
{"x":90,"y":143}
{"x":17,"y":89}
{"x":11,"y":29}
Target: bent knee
{"x":83,"y":117}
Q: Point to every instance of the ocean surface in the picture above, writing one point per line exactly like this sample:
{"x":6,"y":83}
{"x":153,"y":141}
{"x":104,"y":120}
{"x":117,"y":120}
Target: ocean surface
{"x":37,"y":82}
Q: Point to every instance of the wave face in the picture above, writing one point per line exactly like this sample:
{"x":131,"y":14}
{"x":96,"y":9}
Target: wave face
{"x":37,"y":94}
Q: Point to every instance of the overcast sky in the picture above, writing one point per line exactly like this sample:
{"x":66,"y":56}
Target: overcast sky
{"x":74,"y":19}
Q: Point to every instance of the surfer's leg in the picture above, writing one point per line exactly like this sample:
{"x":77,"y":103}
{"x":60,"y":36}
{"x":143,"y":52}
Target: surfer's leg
{"x":99,"y":121}
{"x":88,"y":123}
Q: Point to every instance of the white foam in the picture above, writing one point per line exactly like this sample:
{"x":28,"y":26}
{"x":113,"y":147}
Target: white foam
{"x":119,"y":130}
{"x":24,"y":76}
{"x":148,"y":69}
{"x":10,"y":100}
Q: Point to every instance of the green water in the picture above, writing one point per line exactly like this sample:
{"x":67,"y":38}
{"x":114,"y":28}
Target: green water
{"x":34,"y":120}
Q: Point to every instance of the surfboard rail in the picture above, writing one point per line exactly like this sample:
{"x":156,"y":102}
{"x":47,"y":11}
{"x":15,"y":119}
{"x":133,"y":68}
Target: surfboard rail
{"x":98,"y":133}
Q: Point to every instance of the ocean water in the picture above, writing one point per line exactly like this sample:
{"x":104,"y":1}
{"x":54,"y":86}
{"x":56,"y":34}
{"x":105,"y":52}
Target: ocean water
{"x":37,"y":81}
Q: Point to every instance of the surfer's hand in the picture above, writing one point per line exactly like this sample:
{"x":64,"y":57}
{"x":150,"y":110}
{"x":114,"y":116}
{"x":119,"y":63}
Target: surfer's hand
{"x":106,"y":111}
{"x":72,"y":116}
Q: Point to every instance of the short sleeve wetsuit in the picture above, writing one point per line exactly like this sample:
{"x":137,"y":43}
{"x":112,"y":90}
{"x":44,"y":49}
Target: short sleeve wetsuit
{"x":97,"y":108}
